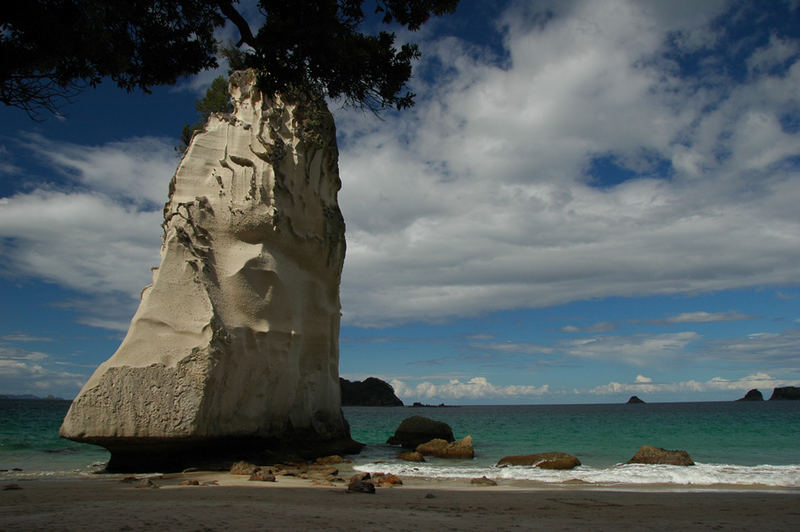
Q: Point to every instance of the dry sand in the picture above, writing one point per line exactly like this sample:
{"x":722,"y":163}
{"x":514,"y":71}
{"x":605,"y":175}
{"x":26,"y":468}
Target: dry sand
{"x":295,"y":504}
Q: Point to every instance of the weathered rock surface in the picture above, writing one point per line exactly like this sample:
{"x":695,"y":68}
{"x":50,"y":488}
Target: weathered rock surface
{"x":552,"y":460}
{"x":412,"y":456}
{"x":656,"y":455}
{"x":243,"y":468}
{"x":262,"y":476}
{"x":360,"y":483}
{"x":634,"y":400}
{"x":369,"y":392}
{"x":234,"y":347}
{"x":385,"y":479}
{"x":785,"y":393}
{"x":329,"y":460}
{"x":752,"y":395}
{"x":444,"y":449}
{"x":482,"y":481}
{"x":415,"y":430}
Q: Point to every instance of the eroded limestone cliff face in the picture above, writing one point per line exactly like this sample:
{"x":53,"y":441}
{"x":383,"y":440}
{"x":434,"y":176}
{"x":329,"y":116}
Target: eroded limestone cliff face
{"x":234,"y":347}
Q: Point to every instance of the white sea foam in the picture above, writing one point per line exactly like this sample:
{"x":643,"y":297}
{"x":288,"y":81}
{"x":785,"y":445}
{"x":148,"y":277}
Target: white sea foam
{"x":773,"y":476}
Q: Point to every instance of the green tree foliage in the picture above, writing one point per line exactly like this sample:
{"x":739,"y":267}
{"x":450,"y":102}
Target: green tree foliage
{"x":217,"y":99}
{"x":50,"y":49}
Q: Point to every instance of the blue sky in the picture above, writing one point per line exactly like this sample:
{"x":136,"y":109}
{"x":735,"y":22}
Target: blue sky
{"x":590,"y":200}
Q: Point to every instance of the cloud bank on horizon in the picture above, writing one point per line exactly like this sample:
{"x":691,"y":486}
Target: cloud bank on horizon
{"x":588,"y":150}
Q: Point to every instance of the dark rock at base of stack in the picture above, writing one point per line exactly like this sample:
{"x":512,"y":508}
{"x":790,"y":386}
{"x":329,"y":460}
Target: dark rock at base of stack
{"x":370,"y":392}
{"x":752,"y":395}
{"x":415,"y":430}
{"x":132,"y":455}
{"x":786,"y":393}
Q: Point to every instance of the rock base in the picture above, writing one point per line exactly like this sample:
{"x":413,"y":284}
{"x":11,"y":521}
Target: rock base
{"x":148,"y":455}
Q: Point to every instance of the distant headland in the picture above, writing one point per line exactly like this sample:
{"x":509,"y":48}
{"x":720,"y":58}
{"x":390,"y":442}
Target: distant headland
{"x":781,"y":393}
{"x":370,"y":392}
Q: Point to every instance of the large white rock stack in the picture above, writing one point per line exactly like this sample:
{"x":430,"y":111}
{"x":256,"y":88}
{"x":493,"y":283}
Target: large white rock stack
{"x":234,"y":347}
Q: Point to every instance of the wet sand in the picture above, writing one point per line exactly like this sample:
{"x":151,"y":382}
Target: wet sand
{"x":223,"y":501}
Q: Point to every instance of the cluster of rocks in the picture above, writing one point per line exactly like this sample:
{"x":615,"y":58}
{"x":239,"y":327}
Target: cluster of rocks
{"x":428,"y":437}
{"x":367,"y":482}
{"x":322,"y":471}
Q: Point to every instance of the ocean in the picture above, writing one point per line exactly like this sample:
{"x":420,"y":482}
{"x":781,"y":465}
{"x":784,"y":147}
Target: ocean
{"x":735,"y":445}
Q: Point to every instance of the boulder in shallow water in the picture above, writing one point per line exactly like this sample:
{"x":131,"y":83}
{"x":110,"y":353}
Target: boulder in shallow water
{"x":655,"y":455}
{"x":552,"y":460}
{"x":444,"y":449}
{"x":752,"y":395}
{"x":786,"y":393}
{"x":412,"y":456}
{"x":233,"y":350}
{"x":415,"y":430}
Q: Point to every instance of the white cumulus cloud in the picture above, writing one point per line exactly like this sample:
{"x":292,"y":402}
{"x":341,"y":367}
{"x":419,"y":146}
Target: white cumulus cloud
{"x":474,"y":388}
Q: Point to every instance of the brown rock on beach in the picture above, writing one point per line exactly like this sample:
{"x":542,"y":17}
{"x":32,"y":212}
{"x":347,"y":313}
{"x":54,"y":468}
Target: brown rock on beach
{"x":330,"y":460}
{"x":386,"y":479}
{"x":443,"y":449}
{"x":655,"y":455}
{"x":412,"y":456}
{"x":262,"y":475}
{"x":243,"y":468}
{"x":360,"y":483}
{"x":552,"y":460}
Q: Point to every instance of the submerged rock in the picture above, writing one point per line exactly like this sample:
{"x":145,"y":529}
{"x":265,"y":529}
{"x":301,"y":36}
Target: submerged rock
{"x":552,"y":460}
{"x":785,"y":393}
{"x":234,"y":347}
{"x":444,"y":449}
{"x":656,"y":455}
{"x":416,"y":430}
{"x":752,"y":395}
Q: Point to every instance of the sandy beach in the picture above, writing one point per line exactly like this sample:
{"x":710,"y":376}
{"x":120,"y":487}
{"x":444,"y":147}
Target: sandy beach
{"x":221,"y":501}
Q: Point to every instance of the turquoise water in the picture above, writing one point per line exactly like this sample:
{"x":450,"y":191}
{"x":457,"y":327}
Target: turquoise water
{"x":29,"y":441}
{"x":602,"y":435}
{"x":733,"y":443}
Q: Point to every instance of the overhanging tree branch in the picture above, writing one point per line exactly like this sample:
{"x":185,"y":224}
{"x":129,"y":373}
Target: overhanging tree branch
{"x":245,"y":34}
